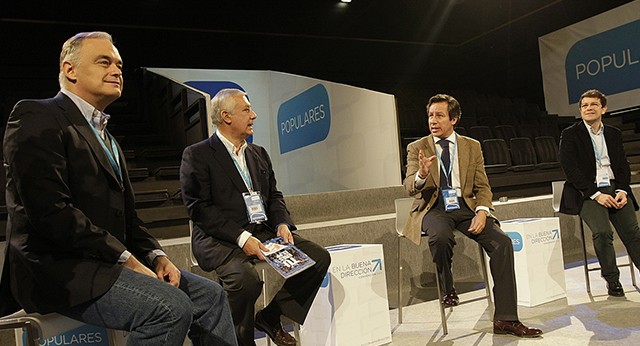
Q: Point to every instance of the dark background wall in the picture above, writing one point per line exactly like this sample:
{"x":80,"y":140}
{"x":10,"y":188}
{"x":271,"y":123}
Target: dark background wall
{"x":402,"y":47}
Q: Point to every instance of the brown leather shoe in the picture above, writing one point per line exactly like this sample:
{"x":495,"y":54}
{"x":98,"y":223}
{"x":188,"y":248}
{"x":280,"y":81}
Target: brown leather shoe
{"x":515,"y":328}
{"x":451,"y":299}
{"x":275,"y":332}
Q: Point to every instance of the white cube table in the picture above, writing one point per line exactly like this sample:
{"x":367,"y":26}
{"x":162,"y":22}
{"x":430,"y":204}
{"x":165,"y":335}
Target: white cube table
{"x":351,"y":308}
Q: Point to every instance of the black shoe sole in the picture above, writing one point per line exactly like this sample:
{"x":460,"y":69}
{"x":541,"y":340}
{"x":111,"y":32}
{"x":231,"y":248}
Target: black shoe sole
{"x":618,"y":295}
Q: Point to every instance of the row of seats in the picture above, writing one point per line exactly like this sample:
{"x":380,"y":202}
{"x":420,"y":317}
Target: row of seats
{"x":479,"y":105}
{"x":520,"y":155}
{"x":506,"y":132}
{"x":546,"y":121}
{"x":477,"y":109}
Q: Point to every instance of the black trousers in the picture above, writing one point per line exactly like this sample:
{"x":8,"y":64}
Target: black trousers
{"x":243,"y":286}
{"x":439,"y":225}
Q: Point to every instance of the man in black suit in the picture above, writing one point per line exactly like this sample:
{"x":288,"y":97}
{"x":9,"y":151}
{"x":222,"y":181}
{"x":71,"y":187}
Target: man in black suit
{"x":75,"y":243}
{"x":597,"y":186}
{"x":229,"y":188}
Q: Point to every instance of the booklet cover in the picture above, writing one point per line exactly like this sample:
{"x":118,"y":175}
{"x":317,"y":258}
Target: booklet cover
{"x":287,"y":259}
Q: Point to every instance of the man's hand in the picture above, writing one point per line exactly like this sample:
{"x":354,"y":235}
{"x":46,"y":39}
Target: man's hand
{"x":285,"y":233}
{"x":478,"y":222}
{"x":608,"y":201}
{"x":424,"y":163}
{"x":135,"y":265}
{"x":253,"y":246}
{"x":167,"y":271}
{"x":621,"y":199}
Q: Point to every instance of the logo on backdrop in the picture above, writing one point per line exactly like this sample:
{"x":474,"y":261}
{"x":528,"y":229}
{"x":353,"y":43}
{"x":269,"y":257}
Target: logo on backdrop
{"x":86,"y":335}
{"x":516,"y":240}
{"x":609,"y":62}
{"x":304,"y":119}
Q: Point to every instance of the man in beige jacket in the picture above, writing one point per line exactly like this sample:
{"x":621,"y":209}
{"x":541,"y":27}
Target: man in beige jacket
{"x":445,"y":174}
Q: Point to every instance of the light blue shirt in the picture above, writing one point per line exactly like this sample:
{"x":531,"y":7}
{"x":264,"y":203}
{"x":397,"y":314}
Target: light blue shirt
{"x":601,"y":152}
{"x":95,"y":117}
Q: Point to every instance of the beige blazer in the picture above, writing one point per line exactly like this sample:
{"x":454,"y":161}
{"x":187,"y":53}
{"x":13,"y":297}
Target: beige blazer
{"x":473,"y":180}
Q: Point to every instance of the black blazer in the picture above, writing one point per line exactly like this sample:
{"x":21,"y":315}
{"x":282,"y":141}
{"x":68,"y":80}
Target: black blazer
{"x":579,"y":164}
{"x":212,"y":190}
{"x":69,"y":214}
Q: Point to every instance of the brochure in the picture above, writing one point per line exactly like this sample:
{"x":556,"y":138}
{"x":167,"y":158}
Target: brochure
{"x":286,"y":259}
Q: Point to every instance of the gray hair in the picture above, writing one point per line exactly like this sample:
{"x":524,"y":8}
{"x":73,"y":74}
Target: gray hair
{"x":223,"y":101}
{"x":73,"y":45}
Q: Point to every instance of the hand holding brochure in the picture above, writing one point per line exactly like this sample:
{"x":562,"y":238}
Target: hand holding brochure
{"x":286,"y":259}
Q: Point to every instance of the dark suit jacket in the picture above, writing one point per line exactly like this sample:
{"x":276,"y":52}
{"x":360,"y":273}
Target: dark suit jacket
{"x":578,"y":161}
{"x":212,"y":190}
{"x":473,"y":180}
{"x":70,"y":216}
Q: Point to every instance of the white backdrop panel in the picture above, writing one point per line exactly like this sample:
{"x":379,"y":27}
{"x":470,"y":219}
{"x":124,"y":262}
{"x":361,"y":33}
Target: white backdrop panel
{"x":361,"y":147}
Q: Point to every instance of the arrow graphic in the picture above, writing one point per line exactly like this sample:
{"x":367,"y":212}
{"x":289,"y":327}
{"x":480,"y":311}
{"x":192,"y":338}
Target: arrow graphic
{"x":378,"y":264}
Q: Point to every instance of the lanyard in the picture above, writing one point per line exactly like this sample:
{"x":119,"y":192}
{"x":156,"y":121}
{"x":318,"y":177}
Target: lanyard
{"x":600,"y":154}
{"x":453,"y":152}
{"x":115,"y":162}
{"x":243,"y":173}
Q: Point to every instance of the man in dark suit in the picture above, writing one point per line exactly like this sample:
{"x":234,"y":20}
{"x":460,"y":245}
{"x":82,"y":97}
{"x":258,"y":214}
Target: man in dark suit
{"x":597,"y":186}
{"x":229,"y":187}
{"x":454,"y":193}
{"x":75,"y":243}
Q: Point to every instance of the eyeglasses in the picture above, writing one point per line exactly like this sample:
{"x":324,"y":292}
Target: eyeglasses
{"x":589,"y":105}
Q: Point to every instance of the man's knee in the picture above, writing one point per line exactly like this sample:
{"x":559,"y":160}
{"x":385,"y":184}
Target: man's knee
{"x":441,"y":241}
{"x":505,"y":241}
{"x":323,"y":260}
{"x":215,"y":292}
{"x":603,"y":231}
{"x":174,"y":309}
{"x":247,"y":285}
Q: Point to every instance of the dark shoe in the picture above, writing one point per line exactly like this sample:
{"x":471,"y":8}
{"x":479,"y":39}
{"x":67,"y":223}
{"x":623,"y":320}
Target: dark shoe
{"x":275,"y":332}
{"x":515,"y":328}
{"x":451,"y":299}
{"x":615,"y":289}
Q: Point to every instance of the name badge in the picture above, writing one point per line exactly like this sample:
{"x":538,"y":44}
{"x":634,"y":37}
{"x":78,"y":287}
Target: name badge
{"x":602,"y":177}
{"x":255,"y":207}
{"x":450,"y":198}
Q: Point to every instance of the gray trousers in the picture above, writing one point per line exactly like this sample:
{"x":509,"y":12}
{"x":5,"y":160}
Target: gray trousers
{"x":599,"y":220}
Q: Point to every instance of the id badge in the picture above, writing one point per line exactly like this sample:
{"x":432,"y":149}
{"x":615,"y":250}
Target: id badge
{"x":602,"y":177}
{"x":450,"y":198}
{"x":255,"y":207}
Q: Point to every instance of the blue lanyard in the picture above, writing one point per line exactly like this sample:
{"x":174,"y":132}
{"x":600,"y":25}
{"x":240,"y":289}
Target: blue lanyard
{"x":453,"y":152}
{"x":243,"y":173}
{"x":600,"y":154}
{"x":115,"y":162}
